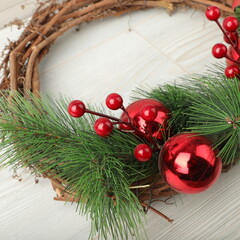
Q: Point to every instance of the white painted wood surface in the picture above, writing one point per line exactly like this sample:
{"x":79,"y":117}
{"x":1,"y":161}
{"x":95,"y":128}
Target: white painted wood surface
{"x":15,"y":9}
{"x":118,"y":55}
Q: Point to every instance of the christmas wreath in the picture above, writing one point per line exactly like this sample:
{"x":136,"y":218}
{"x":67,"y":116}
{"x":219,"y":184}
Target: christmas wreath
{"x":110,"y":166}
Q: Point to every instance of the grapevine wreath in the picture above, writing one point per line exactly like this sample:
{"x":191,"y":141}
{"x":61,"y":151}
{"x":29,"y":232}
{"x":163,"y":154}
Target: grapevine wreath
{"x":110,"y":166}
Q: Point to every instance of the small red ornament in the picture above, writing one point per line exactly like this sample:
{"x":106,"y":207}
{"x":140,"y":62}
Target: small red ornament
{"x":235,"y":4}
{"x":103,"y":126}
{"x":76,"y":108}
{"x":232,"y":71}
{"x":230,"y":24}
{"x":143,"y":152}
{"x":233,"y":37}
{"x":212,"y":13}
{"x":114,"y":101}
{"x":219,"y":50}
{"x":189,"y":164}
{"x":232,"y":54}
{"x":148,"y":112}
{"x":154,"y":128}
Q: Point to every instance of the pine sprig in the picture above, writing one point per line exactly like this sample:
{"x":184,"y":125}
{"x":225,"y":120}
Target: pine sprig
{"x":39,"y":132}
{"x":215,"y":112}
{"x":175,"y":98}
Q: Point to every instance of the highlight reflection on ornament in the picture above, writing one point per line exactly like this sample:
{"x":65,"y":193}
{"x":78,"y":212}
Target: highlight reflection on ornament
{"x":189,"y":164}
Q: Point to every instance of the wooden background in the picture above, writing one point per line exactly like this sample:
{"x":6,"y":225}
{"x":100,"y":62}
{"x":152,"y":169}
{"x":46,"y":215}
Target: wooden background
{"x":141,"y":49}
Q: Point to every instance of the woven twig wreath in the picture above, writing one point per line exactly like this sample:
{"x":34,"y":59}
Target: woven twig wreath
{"x":51,"y":20}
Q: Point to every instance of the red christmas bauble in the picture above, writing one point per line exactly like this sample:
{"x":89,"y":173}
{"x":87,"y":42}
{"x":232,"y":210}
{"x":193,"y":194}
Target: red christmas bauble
{"x":235,"y":4}
{"x":232,"y":35}
{"x":154,"y":128}
{"x":233,"y":54}
{"x":189,"y":164}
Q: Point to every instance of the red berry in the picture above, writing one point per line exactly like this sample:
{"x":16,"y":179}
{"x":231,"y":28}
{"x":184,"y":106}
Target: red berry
{"x":103,"y":127}
{"x":230,"y":24}
{"x":235,"y":4}
{"x":148,"y":112}
{"x":76,"y":108}
{"x":114,"y":101}
{"x":232,"y":71}
{"x":212,"y":13}
{"x":142,"y":152}
{"x":233,"y":36}
{"x":219,"y":50}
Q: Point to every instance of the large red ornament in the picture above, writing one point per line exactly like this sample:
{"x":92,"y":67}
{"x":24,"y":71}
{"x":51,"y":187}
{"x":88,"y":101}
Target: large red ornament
{"x":189,"y":164}
{"x":154,"y":128}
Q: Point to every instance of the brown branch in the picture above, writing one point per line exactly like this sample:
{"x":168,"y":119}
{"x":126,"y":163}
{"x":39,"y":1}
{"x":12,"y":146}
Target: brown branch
{"x":157,"y":212}
{"x":36,"y":80}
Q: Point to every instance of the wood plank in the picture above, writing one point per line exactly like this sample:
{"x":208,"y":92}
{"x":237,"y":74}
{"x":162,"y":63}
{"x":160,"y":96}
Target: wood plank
{"x":12,"y":9}
{"x":186,"y":38}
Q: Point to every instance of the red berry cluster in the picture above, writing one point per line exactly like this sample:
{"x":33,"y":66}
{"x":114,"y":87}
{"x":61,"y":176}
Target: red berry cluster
{"x":229,"y":29}
{"x":103,"y":126}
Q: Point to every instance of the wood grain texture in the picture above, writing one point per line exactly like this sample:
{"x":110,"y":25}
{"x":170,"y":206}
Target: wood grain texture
{"x":15,"y":9}
{"x":117,"y":55}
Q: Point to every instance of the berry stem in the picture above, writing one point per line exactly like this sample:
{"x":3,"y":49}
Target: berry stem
{"x":102,"y":115}
{"x":233,"y":60}
{"x":235,"y":46}
{"x":117,"y":120}
{"x":126,"y":112}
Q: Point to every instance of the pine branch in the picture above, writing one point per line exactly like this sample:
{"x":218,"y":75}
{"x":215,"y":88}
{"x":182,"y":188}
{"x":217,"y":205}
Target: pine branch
{"x":215,"y":112}
{"x":39,"y":132}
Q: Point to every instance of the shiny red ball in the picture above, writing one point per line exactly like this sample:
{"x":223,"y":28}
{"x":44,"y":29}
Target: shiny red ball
{"x":103,"y":126}
{"x":230,"y":24}
{"x":232,"y":54}
{"x":212,"y":13}
{"x":233,"y":36}
{"x":232,"y":71}
{"x":76,"y":108}
{"x":148,"y":112}
{"x":143,"y":152}
{"x":189,"y":164}
{"x":114,"y":101}
{"x":219,"y":50}
{"x":156,"y":128}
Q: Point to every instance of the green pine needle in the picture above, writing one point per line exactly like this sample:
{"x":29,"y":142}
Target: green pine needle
{"x":39,"y":132}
